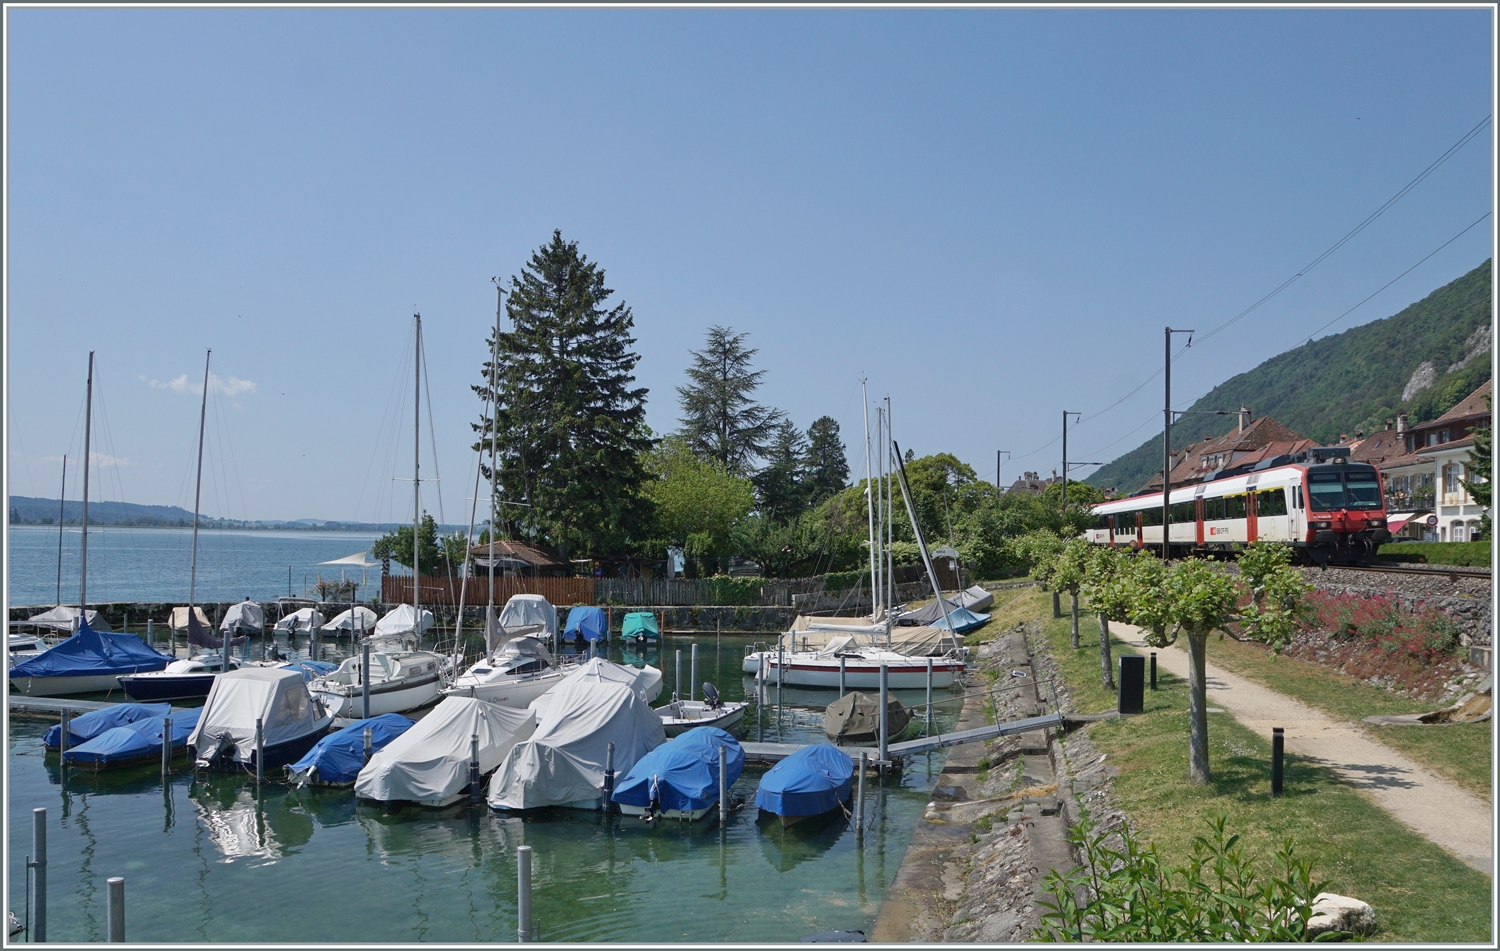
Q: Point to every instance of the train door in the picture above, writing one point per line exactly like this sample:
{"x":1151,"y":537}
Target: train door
{"x":1198,"y":517}
{"x":1251,"y":528}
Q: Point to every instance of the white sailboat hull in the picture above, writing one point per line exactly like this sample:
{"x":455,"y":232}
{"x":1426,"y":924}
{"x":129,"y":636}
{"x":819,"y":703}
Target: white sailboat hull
{"x":508,"y":691}
{"x":64,"y":686}
{"x":805,"y":671}
{"x":387,"y":697}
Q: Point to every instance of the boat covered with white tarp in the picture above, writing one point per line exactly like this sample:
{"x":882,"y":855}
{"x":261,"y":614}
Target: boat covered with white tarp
{"x":403,"y":619}
{"x":301,"y":621}
{"x":429,"y":763}
{"x":530,"y":614}
{"x":645,"y":681}
{"x":278,"y":698}
{"x":244,"y":617}
{"x":64,"y":619}
{"x":358,"y":619}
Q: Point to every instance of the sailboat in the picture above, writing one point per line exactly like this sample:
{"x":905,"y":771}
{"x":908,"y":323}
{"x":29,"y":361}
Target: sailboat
{"x":398,"y":677}
{"x":90,"y":661}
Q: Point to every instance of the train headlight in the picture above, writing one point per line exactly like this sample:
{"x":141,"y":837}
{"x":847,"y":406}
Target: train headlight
{"x":1375,"y":522}
{"x":1319,"y":524}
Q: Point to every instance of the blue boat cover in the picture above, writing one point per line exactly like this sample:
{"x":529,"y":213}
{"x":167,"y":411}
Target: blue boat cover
{"x":589,"y":624}
{"x":83,"y":728}
{"x":963,"y":620}
{"x":311,"y":669}
{"x":134,"y":741}
{"x":91,"y":652}
{"x":640,"y":624}
{"x":682,"y":772}
{"x":811,"y":781}
{"x":340,"y":756}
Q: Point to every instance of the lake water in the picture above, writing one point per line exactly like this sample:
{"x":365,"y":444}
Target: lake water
{"x":207,"y":859}
{"x":153,"y":564}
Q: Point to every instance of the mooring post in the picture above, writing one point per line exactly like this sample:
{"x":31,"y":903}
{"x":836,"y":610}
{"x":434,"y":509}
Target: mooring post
{"x":473,"y":764}
{"x":677,"y":683}
{"x":1153,"y":670}
{"x":609,"y":778}
{"x":260,"y":751}
{"x":885,"y":693}
{"x":929,"y":694}
{"x":62,"y":742}
{"x":364,"y":675}
{"x":1278,"y":749}
{"x":780,"y":667}
{"x":859,"y":800}
{"x":369,"y":743}
{"x":166,"y":747}
{"x":842,"y":661}
{"x":312,"y":648}
{"x":723,"y":784}
{"x":693,"y":675}
{"x":115,"y":916}
{"x":523,"y":893}
{"x":150,"y":632}
{"x":38,"y":863}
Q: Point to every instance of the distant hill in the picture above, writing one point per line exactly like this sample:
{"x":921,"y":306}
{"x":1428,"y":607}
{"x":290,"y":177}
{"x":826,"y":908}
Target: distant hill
{"x":1421,"y":361}
{"x":25,"y":510}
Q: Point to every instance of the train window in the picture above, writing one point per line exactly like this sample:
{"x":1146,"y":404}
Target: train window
{"x":1213,"y":509}
{"x":1151,"y":516}
{"x":1326,"y":491}
{"x":1183,"y":512}
{"x":1362,"y":489}
{"x":1270,"y":502}
{"x":1234,"y":506}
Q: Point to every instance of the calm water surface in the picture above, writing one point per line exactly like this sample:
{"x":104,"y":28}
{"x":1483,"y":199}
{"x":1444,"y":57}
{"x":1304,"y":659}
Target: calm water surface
{"x":206,"y":859}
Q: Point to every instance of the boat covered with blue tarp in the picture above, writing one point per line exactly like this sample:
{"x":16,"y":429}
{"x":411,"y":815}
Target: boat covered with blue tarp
{"x":680,"y":778}
{"x":337,"y":758}
{"x":810,"y":782}
{"x":138,"y":742}
{"x":88,"y":662}
{"x":587,"y":624}
{"x":311,"y":669}
{"x":86,"y":726}
{"x":963,"y":620}
{"x":640,"y":626}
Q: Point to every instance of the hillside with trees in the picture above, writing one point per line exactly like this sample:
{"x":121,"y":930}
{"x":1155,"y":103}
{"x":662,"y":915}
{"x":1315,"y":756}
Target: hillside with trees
{"x":1420,"y":361}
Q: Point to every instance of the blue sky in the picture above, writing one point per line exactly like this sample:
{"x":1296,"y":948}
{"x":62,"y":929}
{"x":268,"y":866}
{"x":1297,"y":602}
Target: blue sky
{"x":990,"y":214}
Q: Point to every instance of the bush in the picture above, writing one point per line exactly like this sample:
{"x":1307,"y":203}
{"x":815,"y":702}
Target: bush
{"x":1127,"y":894}
{"x":1477,"y":554}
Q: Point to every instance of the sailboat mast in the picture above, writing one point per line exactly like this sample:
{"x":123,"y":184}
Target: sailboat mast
{"x":879,"y":513}
{"x":83,"y":568}
{"x":61,"y":503}
{"x":890,"y":524}
{"x":494,"y":499}
{"x":198,"y":492}
{"x":869,"y":497}
{"x":416,"y":483}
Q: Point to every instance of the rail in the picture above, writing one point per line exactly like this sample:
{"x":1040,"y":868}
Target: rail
{"x":1453,"y":572}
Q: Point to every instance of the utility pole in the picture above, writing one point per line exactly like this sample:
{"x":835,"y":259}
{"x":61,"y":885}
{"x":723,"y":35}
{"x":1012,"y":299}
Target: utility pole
{"x":1066,"y":414}
{"x":1166,"y":447}
{"x":998,"y":454}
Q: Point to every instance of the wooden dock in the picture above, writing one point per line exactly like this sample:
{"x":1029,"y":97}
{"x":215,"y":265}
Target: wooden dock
{"x":767,"y":753}
{"x":52,"y":708}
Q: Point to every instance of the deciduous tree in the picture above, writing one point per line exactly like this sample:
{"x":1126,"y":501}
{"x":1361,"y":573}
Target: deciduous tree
{"x":697,"y":503}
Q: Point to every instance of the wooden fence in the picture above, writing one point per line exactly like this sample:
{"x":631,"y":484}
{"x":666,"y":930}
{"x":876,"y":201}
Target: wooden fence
{"x":445,"y":591}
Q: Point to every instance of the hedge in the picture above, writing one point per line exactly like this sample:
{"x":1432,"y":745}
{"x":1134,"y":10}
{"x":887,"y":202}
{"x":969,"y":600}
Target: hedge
{"x":1438,"y":553}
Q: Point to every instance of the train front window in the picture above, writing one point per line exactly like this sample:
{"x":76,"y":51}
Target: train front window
{"x":1362,"y":489}
{"x":1325,"y":491}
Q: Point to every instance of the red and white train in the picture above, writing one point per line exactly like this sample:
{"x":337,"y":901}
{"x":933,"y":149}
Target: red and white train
{"x":1330,"y":510}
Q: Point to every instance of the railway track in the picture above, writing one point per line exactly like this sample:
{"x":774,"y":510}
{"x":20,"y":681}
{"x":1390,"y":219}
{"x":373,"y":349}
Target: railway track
{"x":1452,"y":573}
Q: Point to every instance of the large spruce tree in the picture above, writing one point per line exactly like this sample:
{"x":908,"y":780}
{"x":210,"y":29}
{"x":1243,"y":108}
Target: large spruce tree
{"x":827,"y":467}
{"x":720,"y":420}
{"x":570,"y":424}
{"x":781,"y":485}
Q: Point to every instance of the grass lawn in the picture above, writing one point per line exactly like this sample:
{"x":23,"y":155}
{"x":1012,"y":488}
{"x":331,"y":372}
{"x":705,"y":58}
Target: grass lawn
{"x":1419,"y":892}
{"x":1459,"y":751}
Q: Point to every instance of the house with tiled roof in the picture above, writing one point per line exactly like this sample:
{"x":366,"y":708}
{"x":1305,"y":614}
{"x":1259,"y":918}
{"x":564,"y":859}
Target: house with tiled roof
{"x":1251,"y":441}
{"x":1031,"y":483}
{"x":512,"y":558}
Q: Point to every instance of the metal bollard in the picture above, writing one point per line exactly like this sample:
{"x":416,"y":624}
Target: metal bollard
{"x":842,"y":662}
{"x":859,"y":800}
{"x":723,"y":784}
{"x":62,"y":743}
{"x":38,"y":862}
{"x":150,"y":631}
{"x":523,"y":893}
{"x":369,"y":743}
{"x":609,"y":778}
{"x":677,"y":683}
{"x":885,"y":693}
{"x":1153,"y":670}
{"x":364,"y":678}
{"x":473,"y":766}
{"x":693,"y":676}
{"x":1278,"y":751}
{"x":260,"y":750}
{"x":166,"y":747}
{"x":116,"y":913}
{"x":929,"y":693}
{"x":312,"y":648}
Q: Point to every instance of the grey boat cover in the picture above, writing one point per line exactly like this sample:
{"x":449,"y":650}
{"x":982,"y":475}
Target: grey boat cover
{"x":855,"y":718}
{"x":645,"y":681}
{"x":975,"y":599}
{"x":402,"y":619}
{"x":429,"y":763}
{"x":244,"y":617}
{"x":563,"y":761}
{"x":274,"y":695}
{"x":813,"y":633}
{"x":526,"y":613}
{"x":359,"y":619}
{"x":303,"y":621}
{"x":64,"y":618}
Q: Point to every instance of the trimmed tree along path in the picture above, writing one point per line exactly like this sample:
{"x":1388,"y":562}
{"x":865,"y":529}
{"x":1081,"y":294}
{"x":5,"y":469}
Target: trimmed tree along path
{"x":1436,"y":808}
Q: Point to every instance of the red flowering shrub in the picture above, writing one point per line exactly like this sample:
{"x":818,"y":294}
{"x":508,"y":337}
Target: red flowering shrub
{"x":1422,"y":633}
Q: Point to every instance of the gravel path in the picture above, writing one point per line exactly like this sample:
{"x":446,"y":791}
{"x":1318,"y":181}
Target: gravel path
{"x":1434,"y":807}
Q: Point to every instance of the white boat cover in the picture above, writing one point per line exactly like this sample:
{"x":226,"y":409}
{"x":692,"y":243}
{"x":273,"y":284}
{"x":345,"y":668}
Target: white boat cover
{"x":563,"y":761}
{"x":402,"y":619}
{"x":645,"y":681}
{"x":430,"y":761}
{"x":300,"y":622}
{"x":179,"y":618}
{"x":811,"y":634}
{"x":274,"y":695}
{"x":494,"y":634}
{"x":524,"y":610}
{"x":245,"y":616}
{"x":65,"y":618}
{"x":358,"y":619}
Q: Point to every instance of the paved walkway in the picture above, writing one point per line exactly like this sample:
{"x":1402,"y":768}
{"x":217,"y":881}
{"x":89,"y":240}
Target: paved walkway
{"x":1436,"y":808}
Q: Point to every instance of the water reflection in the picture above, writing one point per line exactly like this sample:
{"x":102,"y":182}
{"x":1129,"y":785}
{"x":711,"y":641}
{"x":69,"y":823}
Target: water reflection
{"x":786,"y":847}
{"x":245,"y":826}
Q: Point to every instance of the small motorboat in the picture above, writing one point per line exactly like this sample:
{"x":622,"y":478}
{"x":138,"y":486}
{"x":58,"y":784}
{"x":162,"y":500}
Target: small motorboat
{"x":88,"y":662}
{"x":429,"y":764}
{"x":514,"y":674}
{"x":680,"y":778}
{"x":587,"y":624}
{"x":855,"y":718}
{"x":189,"y":679}
{"x":300,"y":621}
{"x":358,"y":620}
{"x":640,"y":627}
{"x":246,"y":617}
{"x":645,"y":681}
{"x":681,"y":716}
{"x":810,"y":782}
{"x":336,"y":759}
{"x":21,"y":646}
{"x":290,"y":721}
{"x":86,"y":726}
{"x":530,"y":614}
{"x":401,"y":678}
{"x":135,"y":743}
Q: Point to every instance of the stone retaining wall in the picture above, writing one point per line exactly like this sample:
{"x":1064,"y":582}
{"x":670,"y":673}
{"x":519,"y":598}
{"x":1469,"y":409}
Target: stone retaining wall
{"x":1468,"y":600}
